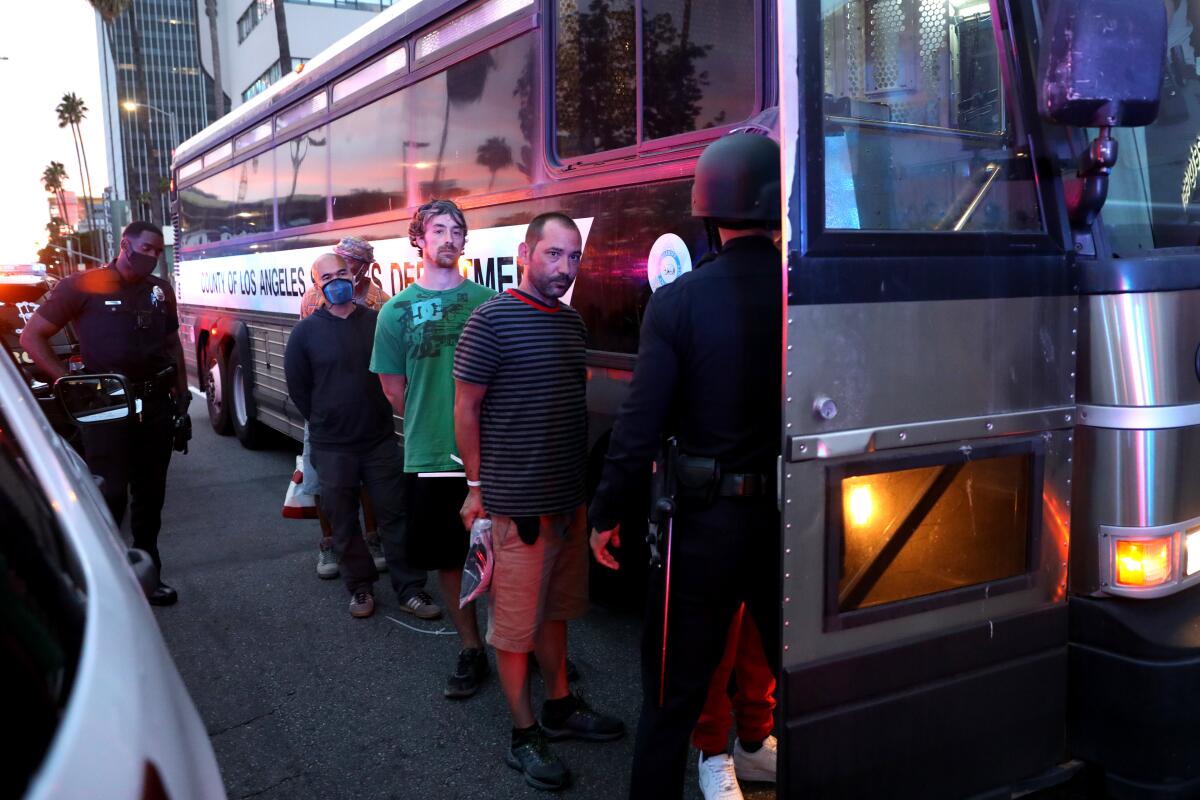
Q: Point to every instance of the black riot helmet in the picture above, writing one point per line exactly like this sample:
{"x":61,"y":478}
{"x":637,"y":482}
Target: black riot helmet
{"x":737,"y":182}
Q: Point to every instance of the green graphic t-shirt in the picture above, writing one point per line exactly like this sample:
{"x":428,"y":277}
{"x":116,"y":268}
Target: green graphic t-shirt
{"x":415,"y":336}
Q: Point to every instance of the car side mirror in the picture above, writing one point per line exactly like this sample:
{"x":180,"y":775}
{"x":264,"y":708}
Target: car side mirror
{"x":1100,"y":66}
{"x":94,"y":399}
{"x":1101,"y":63}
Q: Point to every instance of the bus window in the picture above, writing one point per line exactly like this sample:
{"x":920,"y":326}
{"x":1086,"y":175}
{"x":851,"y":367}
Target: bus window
{"x":254,"y":197}
{"x":301,"y":178}
{"x":1154,"y":194}
{"x":371,"y":158}
{"x":595,"y":90}
{"x":932,"y":525}
{"x":697,"y":70}
{"x":207,"y":208}
{"x":699,"y":60}
{"x":918,"y":132}
{"x":471,"y":127}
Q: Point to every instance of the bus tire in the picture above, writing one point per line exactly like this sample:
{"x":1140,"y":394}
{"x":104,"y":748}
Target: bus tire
{"x":240,"y":403}
{"x":215,"y":391}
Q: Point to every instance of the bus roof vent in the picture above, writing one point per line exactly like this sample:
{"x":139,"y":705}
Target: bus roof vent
{"x":440,"y":38}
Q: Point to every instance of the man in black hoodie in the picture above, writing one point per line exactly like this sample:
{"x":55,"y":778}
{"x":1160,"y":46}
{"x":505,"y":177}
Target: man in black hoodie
{"x":352,"y":436}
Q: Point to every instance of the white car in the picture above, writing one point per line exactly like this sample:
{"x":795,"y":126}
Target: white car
{"x":94,"y":704}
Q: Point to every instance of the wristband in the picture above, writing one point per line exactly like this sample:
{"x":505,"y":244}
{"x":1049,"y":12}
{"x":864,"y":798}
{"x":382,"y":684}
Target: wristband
{"x":474,"y":484}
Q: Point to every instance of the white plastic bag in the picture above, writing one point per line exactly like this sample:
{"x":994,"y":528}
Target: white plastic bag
{"x":477,"y":569}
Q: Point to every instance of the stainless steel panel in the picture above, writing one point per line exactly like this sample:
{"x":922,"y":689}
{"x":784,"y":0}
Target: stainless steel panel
{"x":886,"y":364}
{"x":1129,"y":478}
{"x":1139,"y":417}
{"x":804,"y":564}
{"x":1140,"y":349}
{"x":845,"y":443}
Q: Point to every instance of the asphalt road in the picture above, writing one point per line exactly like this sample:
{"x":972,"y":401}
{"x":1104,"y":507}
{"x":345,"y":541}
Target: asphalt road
{"x":301,"y":700}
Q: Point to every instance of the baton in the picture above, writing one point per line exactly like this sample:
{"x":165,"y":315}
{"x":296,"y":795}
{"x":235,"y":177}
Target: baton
{"x":662,"y":674}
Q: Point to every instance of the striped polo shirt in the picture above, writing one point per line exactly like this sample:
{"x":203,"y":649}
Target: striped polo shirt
{"x":533,"y":424}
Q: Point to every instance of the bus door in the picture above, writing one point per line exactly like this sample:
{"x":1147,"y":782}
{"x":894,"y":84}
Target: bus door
{"x":928,"y":405}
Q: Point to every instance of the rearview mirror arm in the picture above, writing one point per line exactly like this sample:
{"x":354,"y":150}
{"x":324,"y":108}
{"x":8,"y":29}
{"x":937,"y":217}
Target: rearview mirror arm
{"x":1086,"y":195}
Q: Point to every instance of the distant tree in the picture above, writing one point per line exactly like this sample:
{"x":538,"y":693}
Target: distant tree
{"x":465,"y":82}
{"x":495,"y":154}
{"x":71,"y":112}
{"x":52,"y":181}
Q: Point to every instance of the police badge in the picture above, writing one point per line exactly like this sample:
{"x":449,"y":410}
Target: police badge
{"x":157,"y":296}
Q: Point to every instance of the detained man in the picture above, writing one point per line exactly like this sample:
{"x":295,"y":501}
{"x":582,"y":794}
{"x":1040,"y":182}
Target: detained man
{"x":353,"y":441}
{"x":414,"y":357}
{"x":520,"y":415}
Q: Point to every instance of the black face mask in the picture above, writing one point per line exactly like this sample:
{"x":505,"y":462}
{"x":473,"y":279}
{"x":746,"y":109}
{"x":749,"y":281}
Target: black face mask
{"x":140,"y":264}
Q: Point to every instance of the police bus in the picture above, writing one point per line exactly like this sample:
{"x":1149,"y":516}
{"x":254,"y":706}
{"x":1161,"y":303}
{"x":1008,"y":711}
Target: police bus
{"x":991,"y":262}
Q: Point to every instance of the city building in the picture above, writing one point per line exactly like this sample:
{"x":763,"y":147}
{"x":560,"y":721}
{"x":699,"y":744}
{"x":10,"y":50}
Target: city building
{"x":142,"y":133}
{"x":248,"y":41}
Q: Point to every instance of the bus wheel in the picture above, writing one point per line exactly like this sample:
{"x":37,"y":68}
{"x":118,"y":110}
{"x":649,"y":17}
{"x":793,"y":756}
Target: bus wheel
{"x":238,"y":391}
{"x":214,"y":392}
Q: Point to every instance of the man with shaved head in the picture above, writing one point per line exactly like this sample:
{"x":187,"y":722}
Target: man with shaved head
{"x":350,"y":429}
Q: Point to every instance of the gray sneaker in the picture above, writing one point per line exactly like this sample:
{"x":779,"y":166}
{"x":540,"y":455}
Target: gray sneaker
{"x":376,"y":548}
{"x":421,"y":605}
{"x":362,"y":605}
{"x":326,"y":562}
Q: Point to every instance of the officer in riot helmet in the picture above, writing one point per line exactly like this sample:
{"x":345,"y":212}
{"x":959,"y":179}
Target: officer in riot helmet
{"x":127,"y":324}
{"x":708,"y":377}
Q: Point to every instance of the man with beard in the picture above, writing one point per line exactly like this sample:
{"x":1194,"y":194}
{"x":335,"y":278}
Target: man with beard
{"x":127,"y":324}
{"x":417,"y":332}
{"x":520,"y":414}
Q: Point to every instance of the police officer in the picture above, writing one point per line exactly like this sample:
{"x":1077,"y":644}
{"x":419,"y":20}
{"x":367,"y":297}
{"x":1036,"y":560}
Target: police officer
{"x":708,"y":373}
{"x":126,"y":322}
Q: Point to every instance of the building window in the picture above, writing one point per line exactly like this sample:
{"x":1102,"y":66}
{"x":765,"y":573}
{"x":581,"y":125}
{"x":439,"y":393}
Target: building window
{"x":250,"y":18}
{"x":267,"y":78}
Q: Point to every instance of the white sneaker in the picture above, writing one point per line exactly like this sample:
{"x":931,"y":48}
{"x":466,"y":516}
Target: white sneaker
{"x":757,"y":766}
{"x":717,"y":778}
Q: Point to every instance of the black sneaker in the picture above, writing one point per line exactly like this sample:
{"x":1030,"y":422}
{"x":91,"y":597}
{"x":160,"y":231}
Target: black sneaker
{"x":470,"y":672}
{"x":531,"y":755}
{"x":581,"y":722}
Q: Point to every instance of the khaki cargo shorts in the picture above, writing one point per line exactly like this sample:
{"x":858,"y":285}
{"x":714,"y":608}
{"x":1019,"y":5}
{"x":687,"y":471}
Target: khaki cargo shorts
{"x":545,"y":581}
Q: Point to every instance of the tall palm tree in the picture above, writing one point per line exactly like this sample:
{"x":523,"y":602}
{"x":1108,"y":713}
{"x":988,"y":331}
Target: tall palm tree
{"x":71,"y":112}
{"x":109,"y":10}
{"x":281,"y":33}
{"x":52,"y":181}
{"x":495,"y":154}
{"x":210,"y":11}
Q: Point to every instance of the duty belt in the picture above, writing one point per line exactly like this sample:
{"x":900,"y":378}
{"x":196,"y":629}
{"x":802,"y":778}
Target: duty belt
{"x":742,"y":484}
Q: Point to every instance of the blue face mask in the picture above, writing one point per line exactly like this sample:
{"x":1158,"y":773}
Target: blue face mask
{"x":338,"y":291}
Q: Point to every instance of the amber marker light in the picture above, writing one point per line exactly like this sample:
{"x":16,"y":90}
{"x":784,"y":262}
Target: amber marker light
{"x":861,"y":505}
{"x":1143,"y":562}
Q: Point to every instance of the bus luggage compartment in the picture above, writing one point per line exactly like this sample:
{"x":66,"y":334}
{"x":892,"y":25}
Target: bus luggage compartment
{"x":1134,"y":692}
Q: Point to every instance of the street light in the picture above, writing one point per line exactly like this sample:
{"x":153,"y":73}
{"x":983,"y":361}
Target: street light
{"x":132,"y":106}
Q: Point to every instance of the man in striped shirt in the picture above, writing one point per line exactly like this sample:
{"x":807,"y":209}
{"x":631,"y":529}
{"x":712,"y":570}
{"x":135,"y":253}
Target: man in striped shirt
{"x":520,"y":414}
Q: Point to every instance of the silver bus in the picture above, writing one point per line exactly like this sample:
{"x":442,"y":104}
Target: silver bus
{"x":991,"y":386}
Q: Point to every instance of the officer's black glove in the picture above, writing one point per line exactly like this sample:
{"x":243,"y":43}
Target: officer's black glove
{"x":183,"y":433}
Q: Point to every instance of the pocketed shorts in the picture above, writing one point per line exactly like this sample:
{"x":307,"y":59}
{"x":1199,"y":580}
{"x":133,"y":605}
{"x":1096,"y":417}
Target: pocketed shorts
{"x":546,"y":581}
{"x":436,"y":538}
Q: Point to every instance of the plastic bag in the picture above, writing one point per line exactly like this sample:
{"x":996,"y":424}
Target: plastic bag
{"x":298,"y":504}
{"x":477,"y":569}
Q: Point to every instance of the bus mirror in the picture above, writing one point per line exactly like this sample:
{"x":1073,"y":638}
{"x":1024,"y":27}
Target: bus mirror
{"x":1101,"y":62}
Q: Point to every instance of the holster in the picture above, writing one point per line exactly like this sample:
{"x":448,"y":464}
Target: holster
{"x":697,"y":478}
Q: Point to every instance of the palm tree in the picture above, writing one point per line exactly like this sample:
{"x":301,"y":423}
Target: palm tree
{"x":71,"y":112}
{"x":281,"y":33}
{"x":210,"y":10}
{"x":109,"y":10}
{"x":495,"y":154}
{"x":52,"y":181}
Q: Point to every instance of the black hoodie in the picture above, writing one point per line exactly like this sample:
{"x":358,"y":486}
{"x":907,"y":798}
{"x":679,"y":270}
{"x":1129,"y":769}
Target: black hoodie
{"x":327,"y":363}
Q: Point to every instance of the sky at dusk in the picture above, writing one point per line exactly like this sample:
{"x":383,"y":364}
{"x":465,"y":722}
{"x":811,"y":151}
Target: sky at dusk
{"x":47,"y":48}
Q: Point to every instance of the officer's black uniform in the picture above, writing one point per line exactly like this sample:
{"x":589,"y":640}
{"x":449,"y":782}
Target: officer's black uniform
{"x":127,"y":328}
{"x":708,"y":371}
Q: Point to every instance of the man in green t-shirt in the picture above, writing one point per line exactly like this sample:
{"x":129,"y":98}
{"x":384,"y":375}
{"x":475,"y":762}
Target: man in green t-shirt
{"x":415,"y":339}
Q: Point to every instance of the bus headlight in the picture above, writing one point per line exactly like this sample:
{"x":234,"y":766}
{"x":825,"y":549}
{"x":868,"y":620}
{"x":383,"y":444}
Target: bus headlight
{"x":1143,"y":563}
